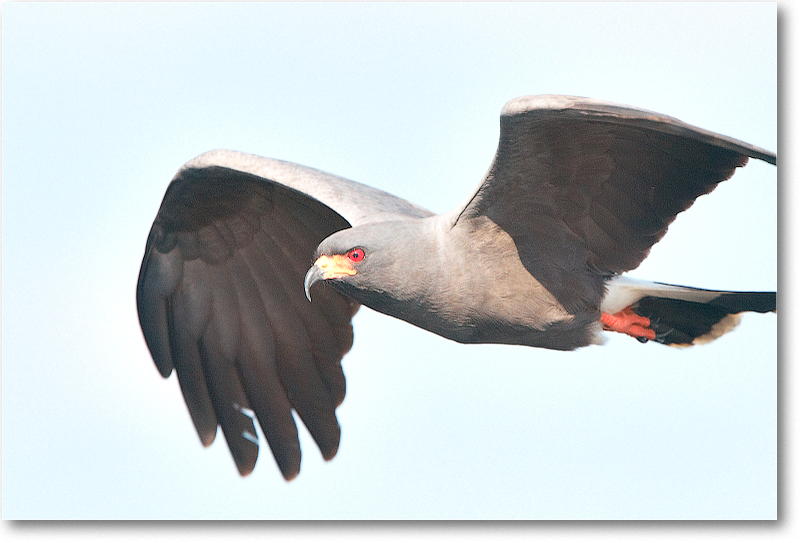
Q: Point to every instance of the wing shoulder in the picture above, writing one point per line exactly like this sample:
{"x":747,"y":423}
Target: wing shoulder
{"x":356,"y":202}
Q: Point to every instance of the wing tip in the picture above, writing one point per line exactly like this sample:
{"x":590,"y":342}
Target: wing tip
{"x":288,"y":462}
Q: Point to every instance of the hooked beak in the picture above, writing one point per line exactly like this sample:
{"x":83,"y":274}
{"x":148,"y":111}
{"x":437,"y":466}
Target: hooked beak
{"x":313,"y":275}
{"x":327,"y":267}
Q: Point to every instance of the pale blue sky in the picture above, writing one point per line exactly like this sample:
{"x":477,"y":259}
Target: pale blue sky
{"x":103,"y":103}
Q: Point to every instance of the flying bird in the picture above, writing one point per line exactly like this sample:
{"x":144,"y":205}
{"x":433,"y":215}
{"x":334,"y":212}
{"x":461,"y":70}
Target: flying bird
{"x":578,"y":192}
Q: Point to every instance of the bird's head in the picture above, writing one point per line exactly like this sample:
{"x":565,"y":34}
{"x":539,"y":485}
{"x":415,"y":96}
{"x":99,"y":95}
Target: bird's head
{"x":345,"y":260}
{"x":335,"y":267}
{"x":375,"y":264}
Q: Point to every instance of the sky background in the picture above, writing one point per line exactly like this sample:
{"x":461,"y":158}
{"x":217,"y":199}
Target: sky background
{"x":103,"y":103}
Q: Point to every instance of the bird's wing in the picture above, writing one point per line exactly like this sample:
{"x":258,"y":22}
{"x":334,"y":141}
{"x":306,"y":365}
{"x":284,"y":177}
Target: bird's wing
{"x":584,"y":184}
{"x":220,"y":299}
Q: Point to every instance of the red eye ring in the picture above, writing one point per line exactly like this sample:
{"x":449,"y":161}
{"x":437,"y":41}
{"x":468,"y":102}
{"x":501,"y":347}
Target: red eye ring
{"x":356,"y":255}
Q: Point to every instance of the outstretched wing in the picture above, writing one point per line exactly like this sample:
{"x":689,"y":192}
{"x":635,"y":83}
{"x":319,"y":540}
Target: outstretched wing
{"x":586,"y":187}
{"x":220,"y":299}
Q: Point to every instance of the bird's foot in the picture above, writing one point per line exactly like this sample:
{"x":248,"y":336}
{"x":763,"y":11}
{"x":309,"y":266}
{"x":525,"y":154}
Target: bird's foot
{"x":628,"y":322}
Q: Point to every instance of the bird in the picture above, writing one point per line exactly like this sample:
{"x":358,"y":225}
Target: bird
{"x":254,"y":267}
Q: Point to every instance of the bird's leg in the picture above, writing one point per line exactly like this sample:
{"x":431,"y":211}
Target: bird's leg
{"x":628,"y":322}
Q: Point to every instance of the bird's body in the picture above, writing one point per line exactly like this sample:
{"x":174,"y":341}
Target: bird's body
{"x":458,"y":290}
{"x":578,"y":192}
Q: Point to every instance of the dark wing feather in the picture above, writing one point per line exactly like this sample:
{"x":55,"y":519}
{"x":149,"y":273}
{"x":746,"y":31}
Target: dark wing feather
{"x":585,"y":187}
{"x":220,"y":299}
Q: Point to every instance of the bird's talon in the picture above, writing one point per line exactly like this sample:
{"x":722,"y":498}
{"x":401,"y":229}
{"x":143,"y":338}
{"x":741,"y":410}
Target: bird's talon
{"x":628,"y":322}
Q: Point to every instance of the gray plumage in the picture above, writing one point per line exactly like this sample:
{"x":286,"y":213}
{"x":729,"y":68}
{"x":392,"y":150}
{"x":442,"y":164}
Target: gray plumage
{"x":578,"y":192}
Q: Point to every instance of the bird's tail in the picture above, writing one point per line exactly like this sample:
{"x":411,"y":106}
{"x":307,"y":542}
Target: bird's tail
{"x":675,"y":315}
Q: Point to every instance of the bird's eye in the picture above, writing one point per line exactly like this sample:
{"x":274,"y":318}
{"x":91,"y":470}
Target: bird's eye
{"x":356,"y":255}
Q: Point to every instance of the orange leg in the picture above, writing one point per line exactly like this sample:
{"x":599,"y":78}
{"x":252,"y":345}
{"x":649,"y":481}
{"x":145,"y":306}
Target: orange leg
{"x":628,"y":322}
